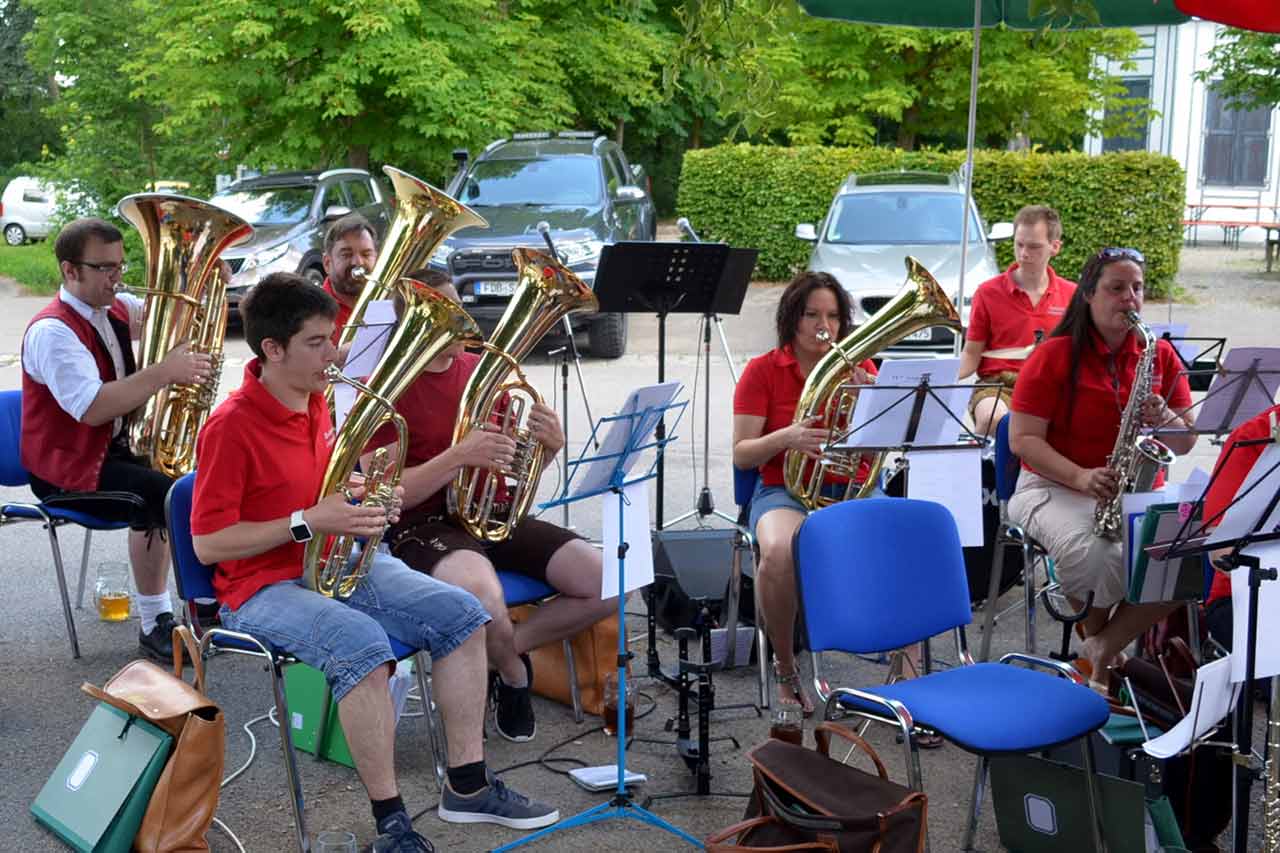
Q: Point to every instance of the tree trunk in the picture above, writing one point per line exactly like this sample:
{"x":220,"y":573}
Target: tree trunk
{"x":695,"y":133}
{"x":906,"y":129}
{"x":619,"y":131}
{"x":358,"y":157}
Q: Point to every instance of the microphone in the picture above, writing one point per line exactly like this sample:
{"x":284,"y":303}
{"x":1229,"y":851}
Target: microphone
{"x":544,"y":228}
{"x":683,"y":224}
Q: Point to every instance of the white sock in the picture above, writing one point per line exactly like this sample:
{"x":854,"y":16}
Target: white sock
{"x":151,"y":606}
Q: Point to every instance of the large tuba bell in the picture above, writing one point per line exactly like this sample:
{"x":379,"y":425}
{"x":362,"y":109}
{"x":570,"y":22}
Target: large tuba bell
{"x":424,"y":217}
{"x":545,"y":292}
{"x":920,"y":303}
{"x":185,"y":299}
{"x":428,"y":325}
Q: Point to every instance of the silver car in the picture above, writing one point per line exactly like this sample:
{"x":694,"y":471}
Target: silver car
{"x":876,"y":220}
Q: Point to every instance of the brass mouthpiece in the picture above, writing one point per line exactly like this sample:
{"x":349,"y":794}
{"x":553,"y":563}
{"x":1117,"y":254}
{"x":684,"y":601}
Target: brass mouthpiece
{"x":823,"y":335}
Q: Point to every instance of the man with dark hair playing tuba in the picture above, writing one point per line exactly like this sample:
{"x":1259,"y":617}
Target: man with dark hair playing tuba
{"x":262,"y":457}
{"x":429,"y":540}
{"x":79,"y":385}
{"x":349,"y":244}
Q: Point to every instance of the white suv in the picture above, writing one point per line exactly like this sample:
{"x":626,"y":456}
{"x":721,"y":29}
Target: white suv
{"x":26,"y":210}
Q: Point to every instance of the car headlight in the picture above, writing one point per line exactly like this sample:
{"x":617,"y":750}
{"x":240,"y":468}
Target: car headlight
{"x":267,"y":256}
{"x":580,"y":251}
{"x":440,"y":257}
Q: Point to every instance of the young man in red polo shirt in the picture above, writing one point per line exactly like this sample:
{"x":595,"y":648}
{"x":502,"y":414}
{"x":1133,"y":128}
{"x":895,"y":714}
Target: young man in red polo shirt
{"x":79,"y":384}
{"x":261,"y":459}
{"x":350,"y":243}
{"x":1012,"y":312}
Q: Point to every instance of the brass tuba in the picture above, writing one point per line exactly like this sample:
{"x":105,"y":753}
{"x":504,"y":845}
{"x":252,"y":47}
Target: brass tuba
{"x":428,"y":325}
{"x":920,"y":303}
{"x":185,"y":299}
{"x":545,"y":292}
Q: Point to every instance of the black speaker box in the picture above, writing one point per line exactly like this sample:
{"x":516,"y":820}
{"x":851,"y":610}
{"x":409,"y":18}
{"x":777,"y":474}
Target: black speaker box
{"x":692,"y":568}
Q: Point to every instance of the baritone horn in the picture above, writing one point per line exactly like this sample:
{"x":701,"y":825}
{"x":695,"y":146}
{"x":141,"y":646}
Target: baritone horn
{"x":827,"y":394}
{"x":184,"y":299}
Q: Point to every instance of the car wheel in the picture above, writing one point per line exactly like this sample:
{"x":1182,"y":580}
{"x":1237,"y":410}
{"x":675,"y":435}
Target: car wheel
{"x":14,"y":235}
{"x":315,"y":275}
{"x":607,"y":335}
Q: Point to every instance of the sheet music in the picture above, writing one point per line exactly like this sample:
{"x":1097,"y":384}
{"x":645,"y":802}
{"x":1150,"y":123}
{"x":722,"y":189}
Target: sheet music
{"x":872,"y":428}
{"x":1190,"y":489}
{"x":1187,"y":349}
{"x":1260,"y":390}
{"x":638,"y":563}
{"x":952,"y":478}
{"x":366,"y":350}
{"x":598,"y":473}
{"x":1212,"y":698}
{"x":1241,"y":518}
{"x":1267,"y":660}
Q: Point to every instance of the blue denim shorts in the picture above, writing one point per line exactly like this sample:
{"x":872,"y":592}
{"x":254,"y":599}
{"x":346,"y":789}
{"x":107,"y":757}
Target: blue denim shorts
{"x":767,"y":498}
{"x":347,"y":640}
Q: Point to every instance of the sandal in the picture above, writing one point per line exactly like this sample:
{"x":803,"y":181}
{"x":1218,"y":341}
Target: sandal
{"x":792,"y":681}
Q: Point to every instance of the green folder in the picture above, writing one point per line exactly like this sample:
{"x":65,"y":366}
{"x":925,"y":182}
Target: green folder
{"x":1182,"y":579}
{"x":99,"y":791}
{"x":305,"y":691}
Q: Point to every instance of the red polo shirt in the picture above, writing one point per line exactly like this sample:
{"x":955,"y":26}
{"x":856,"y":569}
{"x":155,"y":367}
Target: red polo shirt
{"x":1230,"y":474}
{"x":344,"y":311}
{"x":1002,"y":316}
{"x":1088,"y":434}
{"x":258,"y":461}
{"x":769,"y":388}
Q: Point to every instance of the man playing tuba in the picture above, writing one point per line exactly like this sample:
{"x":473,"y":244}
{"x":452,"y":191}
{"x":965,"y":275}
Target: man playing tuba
{"x":79,"y":384}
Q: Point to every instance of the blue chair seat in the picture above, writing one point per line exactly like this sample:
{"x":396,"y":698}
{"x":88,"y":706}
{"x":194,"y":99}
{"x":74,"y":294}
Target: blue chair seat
{"x":520,"y":589}
{"x":399,"y":649}
{"x":70,"y":516}
{"x":957,"y":704}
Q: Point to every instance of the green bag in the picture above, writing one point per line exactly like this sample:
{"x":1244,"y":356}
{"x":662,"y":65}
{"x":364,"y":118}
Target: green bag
{"x":99,"y":791}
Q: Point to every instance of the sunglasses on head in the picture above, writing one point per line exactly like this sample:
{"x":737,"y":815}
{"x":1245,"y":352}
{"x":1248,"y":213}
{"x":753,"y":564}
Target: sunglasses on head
{"x":1122,"y":254}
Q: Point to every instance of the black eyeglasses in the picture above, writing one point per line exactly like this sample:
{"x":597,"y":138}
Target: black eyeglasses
{"x":1122,"y":254}
{"x":105,"y":268}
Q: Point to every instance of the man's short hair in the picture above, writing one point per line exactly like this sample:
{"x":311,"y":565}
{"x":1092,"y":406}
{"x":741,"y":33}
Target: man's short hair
{"x":431,"y":277}
{"x":1033,"y":213}
{"x":279,"y":305}
{"x":348,"y":224}
{"x":75,"y":235}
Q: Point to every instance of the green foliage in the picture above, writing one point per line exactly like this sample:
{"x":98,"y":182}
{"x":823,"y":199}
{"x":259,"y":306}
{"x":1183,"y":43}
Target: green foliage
{"x":26,"y":133}
{"x":32,"y":266}
{"x":751,"y":195}
{"x":1246,"y":67}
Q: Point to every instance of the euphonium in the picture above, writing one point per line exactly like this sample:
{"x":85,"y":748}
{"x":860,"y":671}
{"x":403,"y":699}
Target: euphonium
{"x":428,"y":325}
{"x":185,"y":299}
{"x":545,"y":292}
{"x":1135,"y":457}
{"x":424,"y":217}
{"x":920,"y":303}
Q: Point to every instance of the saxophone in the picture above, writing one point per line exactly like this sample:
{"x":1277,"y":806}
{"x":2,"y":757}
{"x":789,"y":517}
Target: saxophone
{"x":1136,"y":458}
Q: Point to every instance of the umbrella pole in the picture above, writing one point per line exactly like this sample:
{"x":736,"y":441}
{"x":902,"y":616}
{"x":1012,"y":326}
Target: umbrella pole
{"x":968,"y":161}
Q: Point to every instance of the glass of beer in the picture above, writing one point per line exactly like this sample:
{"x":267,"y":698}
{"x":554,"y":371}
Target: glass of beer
{"x":111,"y":592}
{"x":788,"y":724}
{"x":611,"y":706}
{"x":336,"y":842}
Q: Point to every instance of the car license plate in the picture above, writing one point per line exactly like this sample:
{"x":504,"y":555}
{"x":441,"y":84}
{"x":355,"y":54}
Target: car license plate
{"x":494,"y":288}
{"x":922,"y":335}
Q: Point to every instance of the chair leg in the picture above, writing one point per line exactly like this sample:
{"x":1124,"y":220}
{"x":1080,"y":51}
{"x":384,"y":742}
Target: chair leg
{"x":322,"y":727}
{"x":290,"y":758}
{"x":575,"y":695}
{"x":993,"y":593}
{"x":62,"y":588}
{"x":975,"y":806}
{"x":428,"y":713}
{"x":762,"y":661}
{"x":1029,"y":593}
{"x":1091,"y":785}
{"x":84,"y":568}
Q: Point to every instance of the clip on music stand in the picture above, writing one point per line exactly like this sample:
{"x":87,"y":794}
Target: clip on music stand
{"x":671,"y":278}
{"x":1196,"y":539}
{"x":607,"y":470}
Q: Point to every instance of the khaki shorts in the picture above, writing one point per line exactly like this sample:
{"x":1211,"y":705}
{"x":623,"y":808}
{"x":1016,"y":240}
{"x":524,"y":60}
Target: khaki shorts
{"x":1061,"y":519}
{"x":1005,"y":392}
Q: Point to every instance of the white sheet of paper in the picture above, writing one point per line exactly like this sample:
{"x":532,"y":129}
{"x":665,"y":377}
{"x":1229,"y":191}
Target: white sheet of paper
{"x":1132,"y":504}
{"x":635,"y":528}
{"x":366,"y":350}
{"x":1267,"y":660}
{"x":597,"y":475}
{"x":1241,"y":518}
{"x":936,"y":426}
{"x":952,"y":478}
{"x":1212,"y":698}
{"x":1187,"y":349}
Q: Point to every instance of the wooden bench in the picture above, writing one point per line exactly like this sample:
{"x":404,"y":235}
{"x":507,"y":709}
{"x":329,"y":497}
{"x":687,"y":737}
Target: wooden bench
{"x":1233,"y":228}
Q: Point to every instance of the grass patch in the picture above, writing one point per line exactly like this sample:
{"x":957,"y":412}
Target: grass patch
{"x":33,"y":266}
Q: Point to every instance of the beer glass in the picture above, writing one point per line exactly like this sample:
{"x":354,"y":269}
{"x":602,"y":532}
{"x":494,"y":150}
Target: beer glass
{"x":788,"y":724}
{"x":611,"y":706}
{"x":336,"y":841}
{"x":111,"y":592}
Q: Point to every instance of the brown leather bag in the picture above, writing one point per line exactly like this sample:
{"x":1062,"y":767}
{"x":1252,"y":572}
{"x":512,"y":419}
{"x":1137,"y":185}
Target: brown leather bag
{"x":184,"y":800}
{"x":595,"y":655}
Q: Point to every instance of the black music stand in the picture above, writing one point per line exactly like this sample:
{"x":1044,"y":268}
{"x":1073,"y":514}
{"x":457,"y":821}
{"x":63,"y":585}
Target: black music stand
{"x":671,"y":278}
{"x":1244,"y":385}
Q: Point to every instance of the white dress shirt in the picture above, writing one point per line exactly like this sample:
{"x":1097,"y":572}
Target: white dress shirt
{"x":54,"y":356}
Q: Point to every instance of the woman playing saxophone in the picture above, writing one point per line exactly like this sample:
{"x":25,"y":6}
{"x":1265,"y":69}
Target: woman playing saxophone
{"x":1068,"y":409}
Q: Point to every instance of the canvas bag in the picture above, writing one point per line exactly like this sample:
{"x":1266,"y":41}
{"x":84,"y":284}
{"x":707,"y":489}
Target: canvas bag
{"x":595,"y":656}
{"x":185,"y":799}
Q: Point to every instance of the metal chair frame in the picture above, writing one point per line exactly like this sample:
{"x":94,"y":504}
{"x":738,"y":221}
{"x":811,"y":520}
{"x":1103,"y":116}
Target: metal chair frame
{"x":511,"y":599}
{"x":745,"y":539}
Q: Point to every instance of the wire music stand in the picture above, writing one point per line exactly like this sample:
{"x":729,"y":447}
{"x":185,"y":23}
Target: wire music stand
{"x":1243,"y":385}
{"x":626,"y":436}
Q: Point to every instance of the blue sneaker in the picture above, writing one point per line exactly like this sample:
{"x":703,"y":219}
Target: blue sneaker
{"x":398,"y":836}
{"x":496,"y":803}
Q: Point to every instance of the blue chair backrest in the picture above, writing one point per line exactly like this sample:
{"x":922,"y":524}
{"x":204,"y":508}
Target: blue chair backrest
{"x":1007,"y":464}
{"x":880,"y":573}
{"x":194,"y":578}
{"x":744,"y":484}
{"x":11,"y":471}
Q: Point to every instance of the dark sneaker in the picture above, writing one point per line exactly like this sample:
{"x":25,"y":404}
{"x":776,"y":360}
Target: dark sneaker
{"x":398,"y":836}
{"x":496,"y":803}
{"x":158,"y":642}
{"x":513,"y":708}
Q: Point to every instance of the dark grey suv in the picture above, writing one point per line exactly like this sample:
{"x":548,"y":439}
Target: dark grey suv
{"x":580,"y":184}
{"x":289,"y":212}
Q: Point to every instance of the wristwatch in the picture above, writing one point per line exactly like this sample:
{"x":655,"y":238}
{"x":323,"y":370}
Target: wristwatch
{"x":298,"y":527}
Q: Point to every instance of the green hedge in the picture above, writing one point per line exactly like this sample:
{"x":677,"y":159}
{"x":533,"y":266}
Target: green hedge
{"x":753,"y":195}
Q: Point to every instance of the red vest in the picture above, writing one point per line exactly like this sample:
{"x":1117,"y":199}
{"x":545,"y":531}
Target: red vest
{"x":56,"y":447}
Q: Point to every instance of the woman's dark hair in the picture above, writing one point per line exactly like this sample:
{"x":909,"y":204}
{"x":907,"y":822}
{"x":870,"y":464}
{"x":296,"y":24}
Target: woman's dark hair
{"x":1077,"y":322}
{"x":791,"y":304}
{"x":279,"y":305}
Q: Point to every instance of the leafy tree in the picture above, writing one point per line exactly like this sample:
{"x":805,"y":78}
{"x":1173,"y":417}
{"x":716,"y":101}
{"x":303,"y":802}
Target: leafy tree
{"x":1246,"y":68}
{"x":25,"y":132}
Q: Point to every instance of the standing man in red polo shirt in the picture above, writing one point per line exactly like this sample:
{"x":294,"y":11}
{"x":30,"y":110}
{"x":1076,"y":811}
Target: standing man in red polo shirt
{"x":350,"y":243}
{"x":79,"y":384}
{"x":1012,"y":312}
{"x":262,"y":458}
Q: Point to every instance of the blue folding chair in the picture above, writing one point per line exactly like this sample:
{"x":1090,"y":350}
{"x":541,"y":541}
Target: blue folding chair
{"x":744,"y":487}
{"x":518,"y":589}
{"x":195,"y":580}
{"x":882,"y":573}
{"x":53,"y":512}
